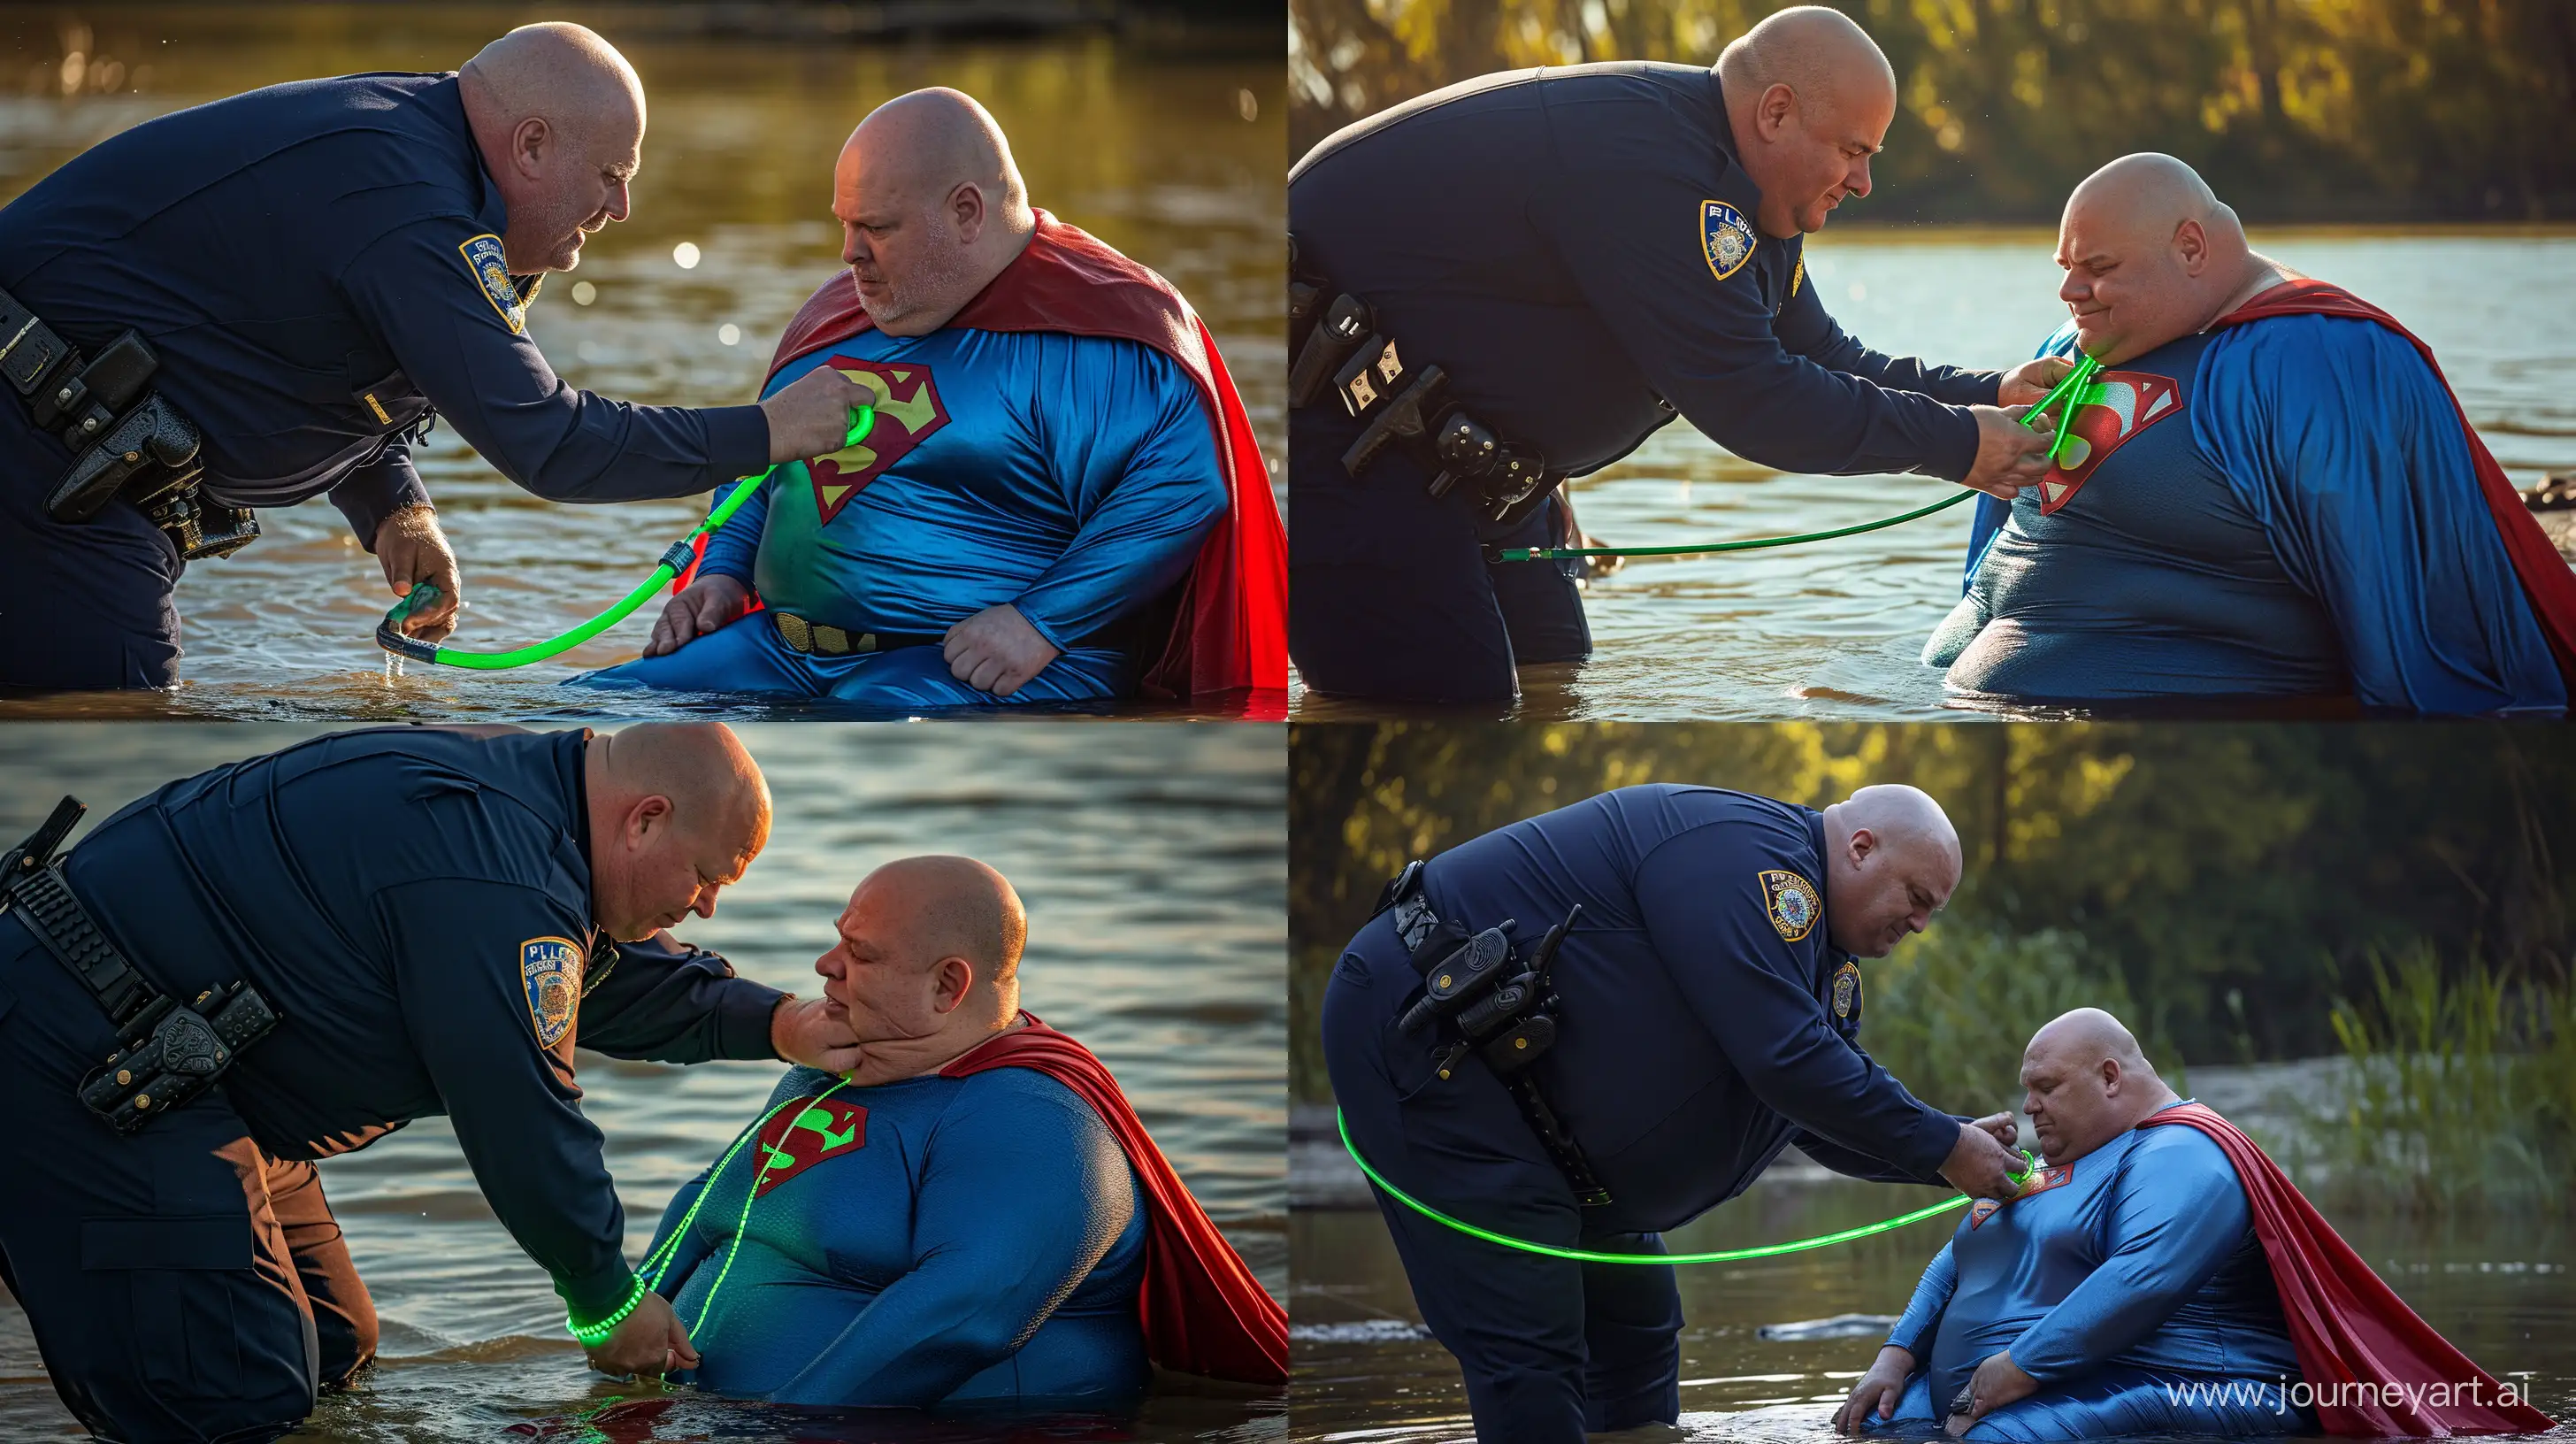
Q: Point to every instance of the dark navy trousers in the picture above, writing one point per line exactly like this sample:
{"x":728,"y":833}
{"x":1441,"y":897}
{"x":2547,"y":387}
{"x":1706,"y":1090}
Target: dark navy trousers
{"x":183,"y":1284}
{"x":1389,"y":593}
{"x":86,"y":606}
{"x":1551,"y":1349}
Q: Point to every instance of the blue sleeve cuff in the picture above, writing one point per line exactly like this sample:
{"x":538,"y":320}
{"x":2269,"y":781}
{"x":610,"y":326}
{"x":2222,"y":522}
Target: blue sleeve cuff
{"x":743,"y":1013}
{"x":377,"y":490}
{"x":737,"y":442}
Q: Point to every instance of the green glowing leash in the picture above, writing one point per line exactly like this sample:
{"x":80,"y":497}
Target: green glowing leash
{"x":390,"y":635}
{"x":2065,"y":390}
{"x":1728,"y":1255}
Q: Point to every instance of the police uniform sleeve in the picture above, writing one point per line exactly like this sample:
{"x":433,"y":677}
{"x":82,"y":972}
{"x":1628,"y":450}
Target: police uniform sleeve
{"x":1628,"y":223}
{"x":1128,"y":427}
{"x":664,"y":1001}
{"x":1706,"y":910}
{"x":480,"y":1024}
{"x":469,"y":353}
{"x":2177,"y":1215}
{"x":1807,"y":329}
{"x":378,"y":489}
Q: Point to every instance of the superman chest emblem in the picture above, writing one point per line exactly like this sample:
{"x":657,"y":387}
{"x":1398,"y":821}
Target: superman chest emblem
{"x":2110,"y":413}
{"x":909,"y":412}
{"x":805,"y":1133}
{"x":1986,"y":1208}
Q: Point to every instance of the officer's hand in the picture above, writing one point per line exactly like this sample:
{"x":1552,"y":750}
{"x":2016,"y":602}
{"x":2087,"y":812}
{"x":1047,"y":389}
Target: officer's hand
{"x":413,"y":550}
{"x":702,"y":606}
{"x":803,"y":1030}
{"x":996,"y":650}
{"x":2005,"y":1128}
{"x":648,"y":1341}
{"x":1979,"y":1167}
{"x":1997,"y":1382}
{"x":811,"y":416}
{"x":2010,"y":455}
{"x":1877,"y":1391}
{"x":2025,"y":384}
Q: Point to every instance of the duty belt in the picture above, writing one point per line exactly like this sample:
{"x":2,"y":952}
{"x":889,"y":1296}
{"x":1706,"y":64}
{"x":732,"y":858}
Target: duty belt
{"x":1406,"y":407}
{"x":124,"y":438}
{"x":167,"y":1052}
{"x":1495,"y":1003}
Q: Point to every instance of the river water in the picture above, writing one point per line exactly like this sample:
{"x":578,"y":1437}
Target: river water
{"x":1836,"y":629}
{"x":1166,"y":148}
{"x":1152,"y":860}
{"x":2497,"y":1288}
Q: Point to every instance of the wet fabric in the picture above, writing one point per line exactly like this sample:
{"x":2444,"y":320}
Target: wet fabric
{"x":2312,"y":520}
{"x":973,"y":1241}
{"x":382,"y":890}
{"x":2134,"y":1264}
{"x":1707,"y":1022}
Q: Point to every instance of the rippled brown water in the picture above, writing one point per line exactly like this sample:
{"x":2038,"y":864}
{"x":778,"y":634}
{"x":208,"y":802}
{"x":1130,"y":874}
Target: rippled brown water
{"x":2498,"y":1288}
{"x":1836,"y":629}
{"x":1168,"y":152}
{"x":1152,"y":860}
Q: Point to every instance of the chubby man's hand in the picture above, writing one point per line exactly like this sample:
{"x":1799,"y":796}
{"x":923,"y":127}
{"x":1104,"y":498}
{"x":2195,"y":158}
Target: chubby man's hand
{"x":708,"y":604}
{"x":413,"y":550}
{"x":2025,"y":384}
{"x":1979,"y":1167}
{"x":1877,"y":1391}
{"x":996,"y":651}
{"x":647,"y":1341}
{"x":1997,"y":1382}
{"x":803,"y":1030}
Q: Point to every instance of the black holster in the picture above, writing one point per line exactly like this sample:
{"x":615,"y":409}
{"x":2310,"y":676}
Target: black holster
{"x":167,"y":1051}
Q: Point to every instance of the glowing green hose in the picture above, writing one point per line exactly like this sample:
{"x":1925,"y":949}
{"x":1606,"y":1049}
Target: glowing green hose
{"x":658,"y":1263}
{"x":1729,"y":1255}
{"x":390,"y":635}
{"x":2067,"y":389}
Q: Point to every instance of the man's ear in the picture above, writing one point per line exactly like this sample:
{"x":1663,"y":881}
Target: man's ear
{"x":966,"y":211}
{"x":529,"y":141}
{"x":2111,"y":1077}
{"x":649,"y":815}
{"x":1863,"y":843}
{"x":1771,"y":113}
{"x":2191,"y":247}
{"x":953,"y":979}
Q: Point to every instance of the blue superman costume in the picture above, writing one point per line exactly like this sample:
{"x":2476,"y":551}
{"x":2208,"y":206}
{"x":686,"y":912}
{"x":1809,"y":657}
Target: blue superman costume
{"x":2173,"y":1281}
{"x":1000,"y":1234}
{"x":1069,"y":444}
{"x":2324,"y":524}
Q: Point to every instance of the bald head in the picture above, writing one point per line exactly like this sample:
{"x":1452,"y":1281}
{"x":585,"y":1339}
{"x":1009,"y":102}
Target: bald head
{"x":2151,"y":255}
{"x":954,"y":907}
{"x":2086,"y":1081}
{"x":1808,"y":96}
{"x":931,"y":205}
{"x":1891,"y":861}
{"x":558,"y":116}
{"x":677,"y":811}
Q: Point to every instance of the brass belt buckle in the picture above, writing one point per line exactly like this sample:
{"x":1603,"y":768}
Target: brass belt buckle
{"x":815,"y":637}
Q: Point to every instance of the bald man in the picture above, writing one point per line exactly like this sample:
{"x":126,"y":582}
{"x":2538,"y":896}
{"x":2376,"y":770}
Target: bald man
{"x":1060,"y":501}
{"x":366,"y":929}
{"x":2270,"y":494}
{"x":967,"y":1219}
{"x":1700,"y":1012}
{"x":272,"y":297}
{"x":2131,"y":1289}
{"x":1580,"y":254}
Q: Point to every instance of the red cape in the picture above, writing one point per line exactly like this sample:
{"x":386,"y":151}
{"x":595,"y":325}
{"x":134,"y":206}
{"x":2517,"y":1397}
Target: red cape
{"x":2545,"y":576}
{"x":1204,"y":1311}
{"x":1231,"y":634}
{"x":2354,"y":1335}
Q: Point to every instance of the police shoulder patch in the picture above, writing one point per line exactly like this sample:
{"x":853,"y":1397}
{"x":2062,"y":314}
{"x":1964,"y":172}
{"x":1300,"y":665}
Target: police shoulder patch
{"x":483,"y":259}
{"x":1726,"y":237}
{"x":550,"y":972}
{"x":1847,"y":991}
{"x":1791,"y":901}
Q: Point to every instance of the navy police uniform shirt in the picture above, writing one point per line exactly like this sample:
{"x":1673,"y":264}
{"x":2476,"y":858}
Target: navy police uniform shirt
{"x":415,"y":905}
{"x":318,"y":266}
{"x":1707,"y":1020}
{"x":1576,"y":248}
